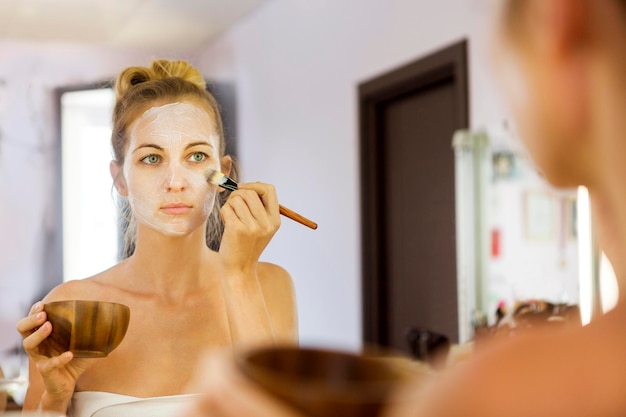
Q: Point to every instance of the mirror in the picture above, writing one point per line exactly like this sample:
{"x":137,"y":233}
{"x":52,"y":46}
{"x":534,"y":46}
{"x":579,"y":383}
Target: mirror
{"x":296,"y":95}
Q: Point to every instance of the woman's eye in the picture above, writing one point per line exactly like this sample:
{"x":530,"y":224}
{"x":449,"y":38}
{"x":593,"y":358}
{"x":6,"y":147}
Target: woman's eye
{"x":151,"y":159}
{"x":197,"y":157}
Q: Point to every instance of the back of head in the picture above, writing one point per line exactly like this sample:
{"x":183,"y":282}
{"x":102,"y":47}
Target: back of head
{"x":563,"y":68}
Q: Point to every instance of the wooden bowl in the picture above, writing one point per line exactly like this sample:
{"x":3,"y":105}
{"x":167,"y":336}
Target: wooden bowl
{"x":322,"y":383}
{"x":89,"y":329}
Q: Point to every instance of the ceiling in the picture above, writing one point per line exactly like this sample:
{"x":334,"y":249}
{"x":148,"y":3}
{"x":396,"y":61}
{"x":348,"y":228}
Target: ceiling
{"x":180,"y":24}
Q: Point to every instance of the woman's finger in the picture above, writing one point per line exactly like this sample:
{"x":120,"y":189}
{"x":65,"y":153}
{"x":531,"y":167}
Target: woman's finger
{"x":35,"y":318}
{"x":46,"y":367}
{"x":37,"y":307}
{"x":250,"y":210}
{"x":240,"y":209}
{"x":267,"y":194}
{"x":31,"y":322}
{"x":32,"y":341}
{"x":254,"y":204}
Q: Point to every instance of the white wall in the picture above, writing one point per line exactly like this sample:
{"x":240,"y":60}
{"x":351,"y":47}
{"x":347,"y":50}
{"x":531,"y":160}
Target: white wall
{"x":297,"y":65}
{"x":29,"y":72}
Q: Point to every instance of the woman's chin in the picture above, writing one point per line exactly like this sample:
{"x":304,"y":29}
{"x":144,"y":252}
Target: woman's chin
{"x":173,"y":230}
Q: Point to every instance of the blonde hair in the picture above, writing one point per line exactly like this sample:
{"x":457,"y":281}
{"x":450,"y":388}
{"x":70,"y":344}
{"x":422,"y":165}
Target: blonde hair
{"x":136,"y":90}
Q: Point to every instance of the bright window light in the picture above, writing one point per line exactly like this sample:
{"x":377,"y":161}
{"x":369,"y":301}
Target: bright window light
{"x":603,"y":287}
{"x":90,"y":237}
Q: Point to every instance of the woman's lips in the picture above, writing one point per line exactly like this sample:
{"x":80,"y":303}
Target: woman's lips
{"x":175,"y":209}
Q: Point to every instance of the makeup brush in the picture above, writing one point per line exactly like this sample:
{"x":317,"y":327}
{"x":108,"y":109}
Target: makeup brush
{"x":219,"y":178}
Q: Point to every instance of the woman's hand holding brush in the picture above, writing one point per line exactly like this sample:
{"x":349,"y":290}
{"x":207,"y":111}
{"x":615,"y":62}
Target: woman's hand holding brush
{"x":251,"y":218}
{"x":218,"y":178}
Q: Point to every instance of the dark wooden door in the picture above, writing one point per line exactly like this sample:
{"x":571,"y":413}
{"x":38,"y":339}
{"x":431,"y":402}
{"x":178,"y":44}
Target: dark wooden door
{"x":408,"y":118}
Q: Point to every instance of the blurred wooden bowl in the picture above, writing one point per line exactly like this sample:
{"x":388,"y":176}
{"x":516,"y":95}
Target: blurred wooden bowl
{"x":323,"y":383}
{"x":89,"y":329}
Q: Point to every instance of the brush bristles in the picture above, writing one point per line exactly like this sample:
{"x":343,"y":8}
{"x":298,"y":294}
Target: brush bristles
{"x":219,"y":178}
{"x":215,"y":177}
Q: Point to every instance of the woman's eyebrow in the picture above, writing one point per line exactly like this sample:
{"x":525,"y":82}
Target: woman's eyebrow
{"x":148,"y":145}
{"x":192,"y":144}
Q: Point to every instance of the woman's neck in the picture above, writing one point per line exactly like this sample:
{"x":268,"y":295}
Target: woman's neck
{"x":608,"y":189}
{"x":171,"y":265}
{"x":608,"y":207}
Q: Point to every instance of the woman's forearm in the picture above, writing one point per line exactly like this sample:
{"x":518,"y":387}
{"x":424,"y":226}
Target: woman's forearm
{"x":248,"y":317}
{"x":50,"y":403}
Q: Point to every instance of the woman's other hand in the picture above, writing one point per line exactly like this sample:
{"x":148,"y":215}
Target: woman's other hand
{"x":228,"y":393}
{"x":51,"y":379}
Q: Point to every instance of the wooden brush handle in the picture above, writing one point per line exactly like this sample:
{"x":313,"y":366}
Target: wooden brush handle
{"x":297,"y":217}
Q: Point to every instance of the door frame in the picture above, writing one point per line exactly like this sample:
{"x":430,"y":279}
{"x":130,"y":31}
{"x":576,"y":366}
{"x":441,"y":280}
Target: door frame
{"x":449,"y":62}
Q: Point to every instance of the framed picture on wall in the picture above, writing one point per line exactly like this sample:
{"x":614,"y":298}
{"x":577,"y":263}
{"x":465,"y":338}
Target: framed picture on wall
{"x":540,"y":215}
{"x":503,"y":165}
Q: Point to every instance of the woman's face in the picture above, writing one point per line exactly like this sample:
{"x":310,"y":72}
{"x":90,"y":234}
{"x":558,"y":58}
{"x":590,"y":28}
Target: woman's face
{"x":170,"y":150}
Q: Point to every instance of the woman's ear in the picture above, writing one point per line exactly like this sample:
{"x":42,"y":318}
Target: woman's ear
{"x":567,"y":62}
{"x":118,"y":179}
{"x":226,"y":165}
{"x":565,"y":24}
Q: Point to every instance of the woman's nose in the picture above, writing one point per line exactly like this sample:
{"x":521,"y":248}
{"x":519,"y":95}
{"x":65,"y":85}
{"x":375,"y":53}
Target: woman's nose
{"x":175,"y":180}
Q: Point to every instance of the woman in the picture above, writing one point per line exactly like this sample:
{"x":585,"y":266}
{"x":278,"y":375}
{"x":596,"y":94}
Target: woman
{"x":563,"y":63}
{"x":184,"y":297}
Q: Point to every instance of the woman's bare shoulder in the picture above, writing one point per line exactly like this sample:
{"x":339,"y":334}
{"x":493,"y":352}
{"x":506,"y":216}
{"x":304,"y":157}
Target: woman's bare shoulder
{"x":569,"y":373}
{"x":86,"y":288}
{"x":273,"y":275}
{"x":280,"y":300}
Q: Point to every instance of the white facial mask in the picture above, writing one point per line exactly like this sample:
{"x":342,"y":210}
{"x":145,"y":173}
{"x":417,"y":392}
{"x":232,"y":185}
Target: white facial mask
{"x":171,"y":147}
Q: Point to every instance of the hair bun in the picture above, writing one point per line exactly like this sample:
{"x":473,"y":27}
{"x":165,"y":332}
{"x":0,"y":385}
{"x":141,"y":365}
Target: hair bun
{"x":137,"y":80}
{"x":159,"y":69}
{"x":164,"y":68}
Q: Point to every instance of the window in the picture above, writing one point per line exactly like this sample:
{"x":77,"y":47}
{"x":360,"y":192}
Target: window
{"x":90,"y":232}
